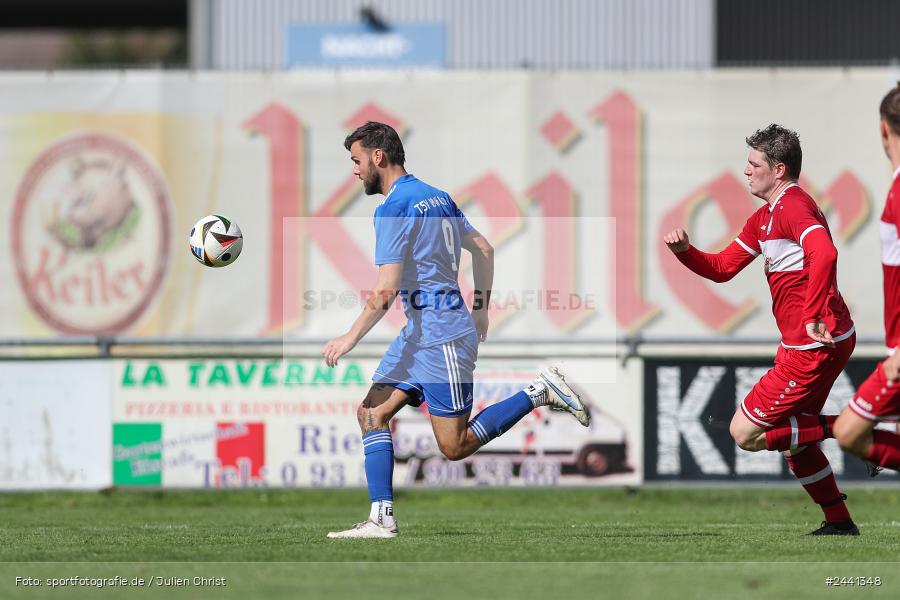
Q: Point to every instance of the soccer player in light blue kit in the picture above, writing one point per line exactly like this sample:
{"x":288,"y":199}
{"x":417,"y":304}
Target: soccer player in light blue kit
{"x":419,"y":236}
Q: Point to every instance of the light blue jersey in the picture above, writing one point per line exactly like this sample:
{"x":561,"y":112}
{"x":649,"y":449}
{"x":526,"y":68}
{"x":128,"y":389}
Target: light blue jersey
{"x":421,"y":227}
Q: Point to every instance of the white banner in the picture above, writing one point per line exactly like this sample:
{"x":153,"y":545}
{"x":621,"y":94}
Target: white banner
{"x":55,"y":424}
{"x":292,"y":423}
{"x":103,"y":175}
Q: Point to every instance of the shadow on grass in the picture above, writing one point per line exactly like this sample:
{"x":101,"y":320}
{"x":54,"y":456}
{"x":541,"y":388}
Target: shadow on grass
{"x":657,"y":536}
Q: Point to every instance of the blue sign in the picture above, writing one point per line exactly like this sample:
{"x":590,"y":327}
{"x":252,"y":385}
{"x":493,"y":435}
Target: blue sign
{"x":356,"y":45}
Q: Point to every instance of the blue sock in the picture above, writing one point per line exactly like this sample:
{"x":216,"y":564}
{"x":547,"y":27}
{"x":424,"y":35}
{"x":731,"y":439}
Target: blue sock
{"x":496,"y":419}
{"x":379,"y":450}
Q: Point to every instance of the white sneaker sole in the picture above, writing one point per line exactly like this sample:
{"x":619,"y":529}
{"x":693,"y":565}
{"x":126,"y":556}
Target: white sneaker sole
{"x":369,"y":532}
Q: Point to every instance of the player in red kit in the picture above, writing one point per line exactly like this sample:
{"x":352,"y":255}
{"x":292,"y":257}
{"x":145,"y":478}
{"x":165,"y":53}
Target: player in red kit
{"x":781,"y":412}
{"x":878,"y":398}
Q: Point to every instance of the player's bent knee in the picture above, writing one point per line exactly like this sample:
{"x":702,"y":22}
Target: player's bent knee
{"x":847,"y":438}
{"x":851,"y":435}
{"x":748,"y":445}
{"x":455,"y":454}
{"x":738,"y":436}
{"x":748,"y":442}
{"x":746,"y":436}
{"x":842,"y":431}
{"x":845,"y":443}
{"x":452,"y":450}
{"x":854,"y":445}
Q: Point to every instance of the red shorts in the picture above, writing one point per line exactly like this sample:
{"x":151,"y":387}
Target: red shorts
{"x":799,"y":383}
{"x":875,"y":400}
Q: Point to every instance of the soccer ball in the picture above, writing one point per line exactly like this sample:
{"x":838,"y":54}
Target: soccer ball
{"x":216,"y":241}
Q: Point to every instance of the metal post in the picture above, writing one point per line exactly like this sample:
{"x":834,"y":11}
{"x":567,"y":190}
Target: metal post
{"x":200,"y":14}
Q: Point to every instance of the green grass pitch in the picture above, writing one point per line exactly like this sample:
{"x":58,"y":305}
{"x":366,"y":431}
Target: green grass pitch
{"x":742,"y":542}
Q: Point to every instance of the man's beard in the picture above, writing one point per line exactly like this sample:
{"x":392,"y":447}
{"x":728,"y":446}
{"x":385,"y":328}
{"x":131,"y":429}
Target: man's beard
{"x":372,"y":185}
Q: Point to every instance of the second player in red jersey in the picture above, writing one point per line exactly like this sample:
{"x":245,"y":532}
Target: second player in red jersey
{"x":781,"y":412}
{"x":878,"y":398}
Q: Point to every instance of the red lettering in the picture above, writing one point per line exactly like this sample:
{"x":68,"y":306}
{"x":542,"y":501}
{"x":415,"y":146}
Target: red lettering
{"x":502,"y":218}
{"x":286,"y":182}
{"x":341,"y":250}
{"x":557,"y":199}
{"x":329,"y":234}
{"x":118,"y":287}
{"x":71,"y":280}
{"x":102,"y":282}
{"x":621,"y":116}
{"x":730,"y":197}
{"x":372,"y":112}
{"x":846,"y":197}
{"x":40,"y":280}
{"x":83,"y":283}
{"x":135,"y":273}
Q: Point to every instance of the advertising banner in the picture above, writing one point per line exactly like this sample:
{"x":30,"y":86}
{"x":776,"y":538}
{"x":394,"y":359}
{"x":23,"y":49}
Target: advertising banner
{"x":103,"y":175}
{"x":54,"y":424}
{"x":688,"y":405}
{"x":234,"y":423}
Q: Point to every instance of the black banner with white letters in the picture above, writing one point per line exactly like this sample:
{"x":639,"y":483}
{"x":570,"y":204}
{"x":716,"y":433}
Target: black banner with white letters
{"x":688,"y":405}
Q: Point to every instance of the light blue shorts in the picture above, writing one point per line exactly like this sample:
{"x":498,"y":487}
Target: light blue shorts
{"x":441,"y":375}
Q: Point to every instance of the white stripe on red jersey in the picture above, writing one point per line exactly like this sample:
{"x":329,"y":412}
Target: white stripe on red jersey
{"x":890,"y":261}
{"x":782,"y":255}
{"x":778,"y":232}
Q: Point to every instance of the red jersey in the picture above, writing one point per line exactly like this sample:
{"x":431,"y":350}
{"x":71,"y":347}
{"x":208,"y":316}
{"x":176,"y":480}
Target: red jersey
{"x":890,"y":262}
{"x":800,"y":265}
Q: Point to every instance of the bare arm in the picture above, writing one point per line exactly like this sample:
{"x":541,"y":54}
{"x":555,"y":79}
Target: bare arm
{"x":483,"y":275}
{"x":386,"y":289}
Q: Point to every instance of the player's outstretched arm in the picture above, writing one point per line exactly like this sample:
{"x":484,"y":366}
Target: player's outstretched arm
{"x":718,"y":267}
{"x":483,"y":275}
{"x":386,"y":289}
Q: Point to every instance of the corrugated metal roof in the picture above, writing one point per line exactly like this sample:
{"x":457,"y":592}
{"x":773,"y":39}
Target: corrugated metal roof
{"x":491,"y":34}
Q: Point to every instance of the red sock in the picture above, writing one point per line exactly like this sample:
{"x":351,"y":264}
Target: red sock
{"x":798,"y":431}
{"x":885,"y":450}
{"x":812,"y":469}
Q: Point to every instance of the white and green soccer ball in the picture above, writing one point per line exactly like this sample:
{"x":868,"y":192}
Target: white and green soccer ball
{"x":216,"y":241}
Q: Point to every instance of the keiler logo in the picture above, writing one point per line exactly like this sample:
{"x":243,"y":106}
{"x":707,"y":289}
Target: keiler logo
{"x":90,"y":233}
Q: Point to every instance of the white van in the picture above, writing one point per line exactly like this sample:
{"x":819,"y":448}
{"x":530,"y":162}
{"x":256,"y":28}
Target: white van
{"x":545,"y":447}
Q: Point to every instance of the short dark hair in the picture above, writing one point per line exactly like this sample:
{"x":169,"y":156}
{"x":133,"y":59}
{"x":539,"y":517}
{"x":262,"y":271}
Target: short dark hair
{"x":780,"y":145}
{"x":374,"y":135}
{"x":890,"y":108}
